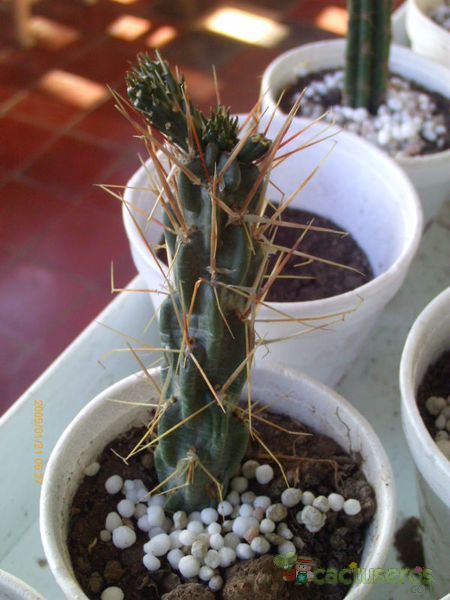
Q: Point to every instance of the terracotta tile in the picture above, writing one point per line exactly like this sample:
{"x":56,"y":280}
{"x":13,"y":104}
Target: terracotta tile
{"x":26,"y":214}
{"x":83,"y":243}
{"x":106,"y":62}
{"x":200,"y":51}
{"x":106,"y":123}
{"x":72,"y":166}
{"x":40,"y":107}
{"x":33,"y":297}
{"x":13,"y":81}
{"x":21,"y":142}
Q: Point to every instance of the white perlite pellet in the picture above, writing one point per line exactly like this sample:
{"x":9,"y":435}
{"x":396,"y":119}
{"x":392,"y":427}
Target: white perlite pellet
{"x":215,"y":583}
{"x":212,"y":559}
{"x":113,"y":484}
{"x":216,"y":541}
{"x":435,"y":404}
{"x":126,"y":508}
{"x":239,"y":484}
{"x":189,"y":566}
{"x":277,"y":512}
{"x":187,"y":537}
{"x":322,"y":503}
{"x":174,"y":557}
{"x":105,"y":535}
{"x":307,"y":498}
{"x":352,"y":507}
{"x":291,"y":497}
{"x":209,"y":515}
{"x":227,"y":557}
{"x":244,"y":552}
{"x":151,"y":563}
{"x":264,"y":474}
{"x":112,"y":521}
{"x":225,"y":508}
{"x":205,"y":573}
{"x":160,"y":544}
{"x":267,"y":526}
{"x":311,"y":518}
{"x":402,"y":126}
{"x":155,"y":516}
{"x":262,"y":502}
{"x":180,"y":519}
{"x":92,"y":469}
{"x":249,"y":469}
{"x":286,"y":548}
{"x":123,"y":537}
{"x":260,"y":545}
{"x":214,"y":528}
{"x":112,"y":593}
{"x":336,"y":502}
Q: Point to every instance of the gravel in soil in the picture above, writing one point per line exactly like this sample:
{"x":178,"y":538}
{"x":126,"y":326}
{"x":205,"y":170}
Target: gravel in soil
{"x":436,"y":382}
{"x":313,"y":463}
{"x":413,"y":121}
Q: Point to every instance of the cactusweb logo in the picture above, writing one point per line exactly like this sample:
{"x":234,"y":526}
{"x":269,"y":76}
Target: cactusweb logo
{"x":304,"y":570}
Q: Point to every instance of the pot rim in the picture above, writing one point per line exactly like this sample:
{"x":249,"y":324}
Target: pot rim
{"x":415,"y":5}
{"x":385,"y":490}
{"x":413,"y":214}
{"x":415,"y":346}
{"x":397,"y":54}
{"x":12,"y":584}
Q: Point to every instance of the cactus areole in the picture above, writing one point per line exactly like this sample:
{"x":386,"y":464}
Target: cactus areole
{"x":367,"y":60}
{"x":216,"y":265}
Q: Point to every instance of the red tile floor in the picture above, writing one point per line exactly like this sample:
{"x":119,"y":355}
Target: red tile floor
{"x":60,"y":134}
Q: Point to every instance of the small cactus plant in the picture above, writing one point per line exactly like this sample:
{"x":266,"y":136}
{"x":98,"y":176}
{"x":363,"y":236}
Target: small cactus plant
{"x":368,"y":41}
{"x":218,"y":246}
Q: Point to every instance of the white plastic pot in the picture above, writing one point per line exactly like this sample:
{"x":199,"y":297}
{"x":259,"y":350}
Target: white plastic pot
{"x":366,"y":194}
{"x":12,"y":588}
{"x":430,"y":173}
{"x":427,"y":37}
{"x":427,"y":339}
{"x":288,"y":392}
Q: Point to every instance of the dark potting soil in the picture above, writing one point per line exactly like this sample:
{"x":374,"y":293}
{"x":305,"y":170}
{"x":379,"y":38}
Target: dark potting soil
{"x":321,"y":280}
{"x":312,"y":462}
{"x":408,"y":543}
{"x":436,"y":382}
{"x":334,"y":98}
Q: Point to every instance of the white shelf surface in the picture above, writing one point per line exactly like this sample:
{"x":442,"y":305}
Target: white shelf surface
{"x":77,"y":376}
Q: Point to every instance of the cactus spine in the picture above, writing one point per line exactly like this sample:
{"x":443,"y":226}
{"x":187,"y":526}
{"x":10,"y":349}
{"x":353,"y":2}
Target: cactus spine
{"x":206,"y":322}
{"x":368,"y":40}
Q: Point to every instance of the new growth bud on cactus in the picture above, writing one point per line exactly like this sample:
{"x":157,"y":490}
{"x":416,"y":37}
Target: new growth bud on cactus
{"x":368,"y":41}
{"x":218,"y":249}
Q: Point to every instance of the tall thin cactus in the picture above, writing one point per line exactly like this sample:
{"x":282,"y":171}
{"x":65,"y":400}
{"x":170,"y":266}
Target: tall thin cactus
{"x":216,"y":273}
{"x":368,"y":41}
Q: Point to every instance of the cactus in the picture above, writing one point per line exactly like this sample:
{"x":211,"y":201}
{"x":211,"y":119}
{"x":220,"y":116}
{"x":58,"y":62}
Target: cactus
{"x":217,"y":264}
{"x":368,"y":40}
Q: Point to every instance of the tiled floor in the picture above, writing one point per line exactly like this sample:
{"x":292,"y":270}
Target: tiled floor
{"x":60,"y":134}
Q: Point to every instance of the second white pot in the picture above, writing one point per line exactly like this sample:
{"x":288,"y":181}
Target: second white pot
{"x":427,"y":37}
{"x":366,"y":194}
{"x":430,"y":173}
{"x":427,"y":340}
{"x":12,"y":588}
{"x":287,"y":392}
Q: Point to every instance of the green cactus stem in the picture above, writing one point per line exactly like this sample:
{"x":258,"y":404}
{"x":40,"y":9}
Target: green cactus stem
{"x":368,"y":41}
{"x":204,"y":323}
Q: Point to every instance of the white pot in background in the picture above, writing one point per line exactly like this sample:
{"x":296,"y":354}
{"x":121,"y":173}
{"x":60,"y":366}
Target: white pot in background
{"x":366,"y":194}
{"x":12,"y":588}
{"x":427,"y":37}
{"x":288,"y":392}
{"x":430,"y":173}
{"x":427,"y":339}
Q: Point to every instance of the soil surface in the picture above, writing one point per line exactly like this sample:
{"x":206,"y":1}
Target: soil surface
{"x":436,"y":382}
{"x":321,"y":280}
{"x":334,"y":98}
{"x":312,"y":462}
{"x":408,"y":543}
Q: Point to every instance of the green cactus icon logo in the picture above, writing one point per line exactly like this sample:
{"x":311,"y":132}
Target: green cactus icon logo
{"x":285,"y":561}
